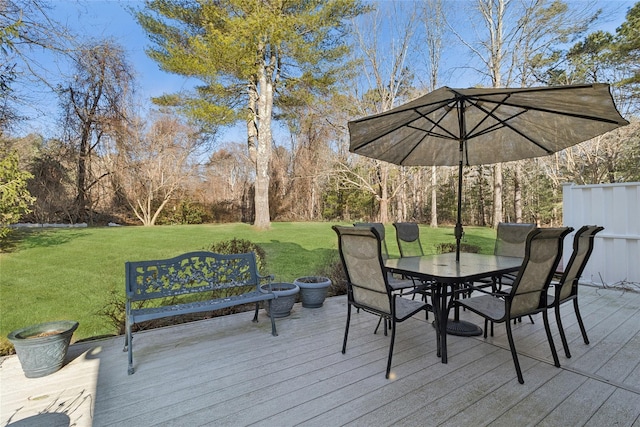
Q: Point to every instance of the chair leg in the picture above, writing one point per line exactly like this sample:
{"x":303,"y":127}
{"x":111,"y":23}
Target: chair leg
{"x":378,"y":326}
{"x":547,"y":328}
{"x":582,"y":329}
{"x":514,"y":355}
{"x":563,"y":337}
{"x":393,"y":338}
{"x":346,"y":329}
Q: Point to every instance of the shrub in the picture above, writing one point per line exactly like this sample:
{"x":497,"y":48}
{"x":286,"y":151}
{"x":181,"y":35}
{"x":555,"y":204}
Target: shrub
{"x":241,"y":246}
{"x":334,"y":270}
{"x":443,"y":248}
{"x":186,"y":212}
{"x":6,"y":348}
{"x":114,"y":311}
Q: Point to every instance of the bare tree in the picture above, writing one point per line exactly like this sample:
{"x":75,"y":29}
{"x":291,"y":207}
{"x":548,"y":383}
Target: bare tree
{"x":95,"y":102}
{"x":518,"y":35}
{"x":155,"y":164}
{"x":434,"y":23}
{"x":26,"y":28}
{"x":388,"y":79}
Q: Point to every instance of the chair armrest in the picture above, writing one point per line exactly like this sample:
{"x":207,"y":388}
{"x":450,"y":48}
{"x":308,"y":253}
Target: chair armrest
{"x":483,"y":290}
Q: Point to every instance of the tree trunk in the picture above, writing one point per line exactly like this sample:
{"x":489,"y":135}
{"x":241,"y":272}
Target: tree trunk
{"x":263,"y":152}
{"x":517,"y":190}
{"x":383,"y":170}
{"x":497,"y":195}
{"x":81,"y":179}
{"x":482,"y":202}
{"x":434,"y":194}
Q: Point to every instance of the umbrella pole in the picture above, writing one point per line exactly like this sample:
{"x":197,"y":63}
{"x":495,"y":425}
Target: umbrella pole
{"x":457,"y":326}
{"x":463,"y":131}
{"x":458,"y":230}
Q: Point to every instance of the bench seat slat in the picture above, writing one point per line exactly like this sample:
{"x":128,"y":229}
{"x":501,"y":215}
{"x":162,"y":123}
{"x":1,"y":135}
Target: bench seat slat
{"x":151,"y":313}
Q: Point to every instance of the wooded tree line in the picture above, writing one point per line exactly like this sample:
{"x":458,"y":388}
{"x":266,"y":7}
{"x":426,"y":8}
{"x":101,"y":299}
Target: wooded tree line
{"x":311,"y":66}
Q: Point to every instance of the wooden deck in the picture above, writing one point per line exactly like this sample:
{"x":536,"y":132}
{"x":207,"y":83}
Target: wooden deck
{"x":229,"y":371}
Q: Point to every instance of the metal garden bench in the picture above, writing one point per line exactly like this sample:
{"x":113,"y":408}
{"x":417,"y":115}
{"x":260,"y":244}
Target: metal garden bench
{"x":174,"y":285}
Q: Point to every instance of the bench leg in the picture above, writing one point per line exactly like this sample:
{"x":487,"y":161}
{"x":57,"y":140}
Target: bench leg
{"x":128,"y":346}
{"x":255,"y":316}
{"x":273,"y":322}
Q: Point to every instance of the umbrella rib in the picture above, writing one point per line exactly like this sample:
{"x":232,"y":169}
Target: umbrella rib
{"x":488,"y":114}
{"x":399,"y":126}
{"x":545,"y":110}
{"x":436,"y":124}
{"x":428,"y":132}
{"x":503,"y":123}
{"x":380,"y":136}
{"x":412,"y":150}
{"x":397,"y":110}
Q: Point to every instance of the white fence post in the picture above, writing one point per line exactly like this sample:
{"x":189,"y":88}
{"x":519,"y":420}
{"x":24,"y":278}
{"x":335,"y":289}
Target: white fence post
{"x":616,"y":207}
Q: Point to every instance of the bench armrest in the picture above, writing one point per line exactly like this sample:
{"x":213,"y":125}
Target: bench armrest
{"x":266,"y":278}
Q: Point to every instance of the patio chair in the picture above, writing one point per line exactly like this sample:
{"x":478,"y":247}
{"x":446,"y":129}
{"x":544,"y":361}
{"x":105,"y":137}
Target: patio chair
{"x":543,"y":250}
{"x":511,"y":238}
{"x":367,"y":284}
{"x":397,"y":284}
{"x":408,"y":238}
{"x":566,"y":288}
{"x":381,"y":232}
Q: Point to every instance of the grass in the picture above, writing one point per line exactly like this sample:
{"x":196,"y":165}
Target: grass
{"x":68,"y":273}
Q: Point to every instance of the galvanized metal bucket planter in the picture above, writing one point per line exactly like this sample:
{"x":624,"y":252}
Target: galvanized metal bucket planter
{"x":42,"y":348}
{"x":313,"y":290}
{"x":286,"y":294}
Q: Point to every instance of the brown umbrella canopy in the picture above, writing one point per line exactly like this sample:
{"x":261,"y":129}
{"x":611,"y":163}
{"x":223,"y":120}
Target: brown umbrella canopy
{"x":486,"y":125}
{"x":478,"y":126}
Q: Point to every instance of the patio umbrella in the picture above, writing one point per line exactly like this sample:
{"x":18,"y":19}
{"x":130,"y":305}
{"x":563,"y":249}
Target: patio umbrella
{"x":476,"y":126}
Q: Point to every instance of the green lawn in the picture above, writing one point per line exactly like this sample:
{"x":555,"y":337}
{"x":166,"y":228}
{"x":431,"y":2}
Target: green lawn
{"x":56,"y":274}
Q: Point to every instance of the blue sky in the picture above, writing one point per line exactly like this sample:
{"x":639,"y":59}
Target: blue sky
{"x":112,"y":19}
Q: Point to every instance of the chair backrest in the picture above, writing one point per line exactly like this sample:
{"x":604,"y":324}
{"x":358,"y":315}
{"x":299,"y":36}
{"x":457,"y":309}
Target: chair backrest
{"x":543,"y":250}
{"x":511,"y":238}
{"x":360,"y":252}
{"x":582,"y":247}
{"x":381,"y":232}
{"x":408,"y":238}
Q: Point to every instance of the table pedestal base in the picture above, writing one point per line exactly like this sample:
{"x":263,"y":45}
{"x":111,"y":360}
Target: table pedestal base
{"x":463,"y":328}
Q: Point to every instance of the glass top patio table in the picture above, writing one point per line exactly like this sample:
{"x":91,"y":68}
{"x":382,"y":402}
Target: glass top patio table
{"x":444,"y":271}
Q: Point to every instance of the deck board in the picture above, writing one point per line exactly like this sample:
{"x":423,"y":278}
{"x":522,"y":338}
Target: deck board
{"x":229,"y":371}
